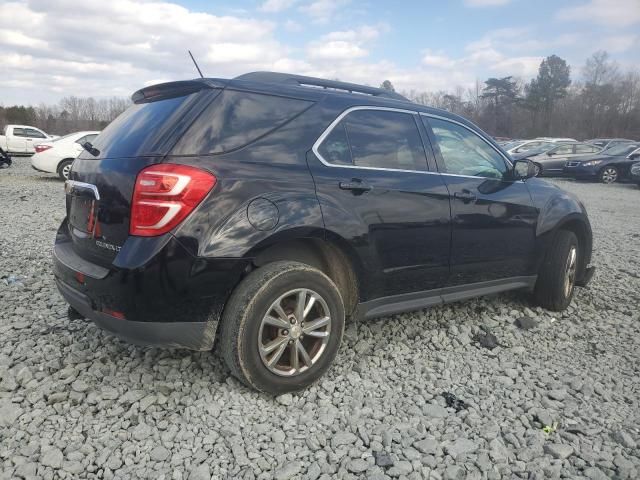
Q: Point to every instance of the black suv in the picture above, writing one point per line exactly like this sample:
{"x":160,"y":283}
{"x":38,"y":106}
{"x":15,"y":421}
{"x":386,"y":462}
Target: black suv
{"x":266,"y":209}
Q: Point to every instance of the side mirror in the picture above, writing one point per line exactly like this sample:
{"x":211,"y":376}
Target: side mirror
{"x":634,"y":155}
{"x":550,"y":154}
{"x":523,"y":169}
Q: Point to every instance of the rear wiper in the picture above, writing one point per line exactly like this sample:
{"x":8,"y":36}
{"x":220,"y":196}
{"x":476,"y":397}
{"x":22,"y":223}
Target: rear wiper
{"x":90,"y":148}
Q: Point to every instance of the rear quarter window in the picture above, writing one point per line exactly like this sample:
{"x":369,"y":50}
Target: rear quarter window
{"x":235,"y":119}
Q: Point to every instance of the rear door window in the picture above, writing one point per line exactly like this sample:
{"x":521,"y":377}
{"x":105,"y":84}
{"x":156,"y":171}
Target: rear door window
{"x":376,"y":139}
{"x":235,"y":119}
{"x":19,"y":132}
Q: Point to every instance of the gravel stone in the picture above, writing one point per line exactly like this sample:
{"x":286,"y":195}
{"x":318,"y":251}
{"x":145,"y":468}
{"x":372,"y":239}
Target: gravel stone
{"x":559,"y":450}
{"x":288,"y":471}
{"x":400,"y":468}
{"x":526,"y":323}
{"x":73,"y":396}
{"x":624,"y":439}
{"x":51,"y":458}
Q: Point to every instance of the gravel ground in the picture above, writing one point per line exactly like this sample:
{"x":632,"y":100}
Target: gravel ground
{"x":76,"y":402}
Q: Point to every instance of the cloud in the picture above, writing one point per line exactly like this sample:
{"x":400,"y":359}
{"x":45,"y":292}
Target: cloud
{"x":321,"y":11}
{"x":344,"y":44}
{"x":619,"y":43}
{"x":273,"y":6}
{"x":610,"y":13}
{"x":486,"y":3}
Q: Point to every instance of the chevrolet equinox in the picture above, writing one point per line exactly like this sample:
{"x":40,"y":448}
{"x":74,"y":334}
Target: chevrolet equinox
{"x":266,"y":209}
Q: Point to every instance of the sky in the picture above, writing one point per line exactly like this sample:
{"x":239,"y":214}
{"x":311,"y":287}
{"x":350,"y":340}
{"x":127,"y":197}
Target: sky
{"x":55,"y":48}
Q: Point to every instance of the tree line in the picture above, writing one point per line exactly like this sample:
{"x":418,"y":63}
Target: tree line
{"x":605,"y":102}
{"x":71,"y":114}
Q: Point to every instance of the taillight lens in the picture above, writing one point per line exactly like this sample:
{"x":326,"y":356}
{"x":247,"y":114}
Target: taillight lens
{"x":42,"y":148}
{"x":164,"y":195}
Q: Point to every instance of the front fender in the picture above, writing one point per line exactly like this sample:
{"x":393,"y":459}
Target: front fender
{"x":559,"y":209}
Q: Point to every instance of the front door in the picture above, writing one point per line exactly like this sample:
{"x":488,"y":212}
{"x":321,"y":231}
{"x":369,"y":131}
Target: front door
{"x":493,"y":217}
{"x":377,"y":191}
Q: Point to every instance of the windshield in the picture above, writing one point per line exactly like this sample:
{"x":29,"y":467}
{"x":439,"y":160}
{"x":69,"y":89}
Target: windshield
{"x":624,"y":149}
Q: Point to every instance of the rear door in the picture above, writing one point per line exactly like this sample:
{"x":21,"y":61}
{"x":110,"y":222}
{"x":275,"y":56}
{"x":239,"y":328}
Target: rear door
{"x":493,"y":217}
{"x":378,"y":190}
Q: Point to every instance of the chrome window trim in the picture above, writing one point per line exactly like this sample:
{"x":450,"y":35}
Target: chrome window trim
{"x":482,"y":137}
{"x":71,"y":184}
{"x":337,"y":120}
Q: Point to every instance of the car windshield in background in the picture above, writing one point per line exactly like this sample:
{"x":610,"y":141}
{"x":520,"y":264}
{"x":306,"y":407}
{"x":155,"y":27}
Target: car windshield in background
{"x":624,"y":149}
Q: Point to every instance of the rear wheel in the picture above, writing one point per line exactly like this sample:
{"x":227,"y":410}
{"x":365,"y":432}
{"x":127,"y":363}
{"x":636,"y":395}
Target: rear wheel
{"x":282,"y":327}
{"x":557,"y":276}
{"x":64,"y":168}
{"x":608,"y":174}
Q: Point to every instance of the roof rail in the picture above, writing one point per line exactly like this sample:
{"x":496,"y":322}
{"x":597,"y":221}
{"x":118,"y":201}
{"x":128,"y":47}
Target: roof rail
{"x":303,"y":81}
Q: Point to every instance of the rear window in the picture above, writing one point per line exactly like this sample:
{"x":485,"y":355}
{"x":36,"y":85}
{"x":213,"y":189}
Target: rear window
{"x":142,"y":129}
{"x":235,"y":119}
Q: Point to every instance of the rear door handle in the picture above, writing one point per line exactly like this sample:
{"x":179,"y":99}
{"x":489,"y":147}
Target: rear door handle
{"x":466,"y":196}
{"x":355,"y":185}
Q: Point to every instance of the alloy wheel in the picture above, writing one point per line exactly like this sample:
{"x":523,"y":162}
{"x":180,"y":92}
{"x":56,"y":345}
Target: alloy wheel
{"x":570,"y":271}
{"x":66,"y":170}
{"x":294,"y":332}
{"x":609,"y":175}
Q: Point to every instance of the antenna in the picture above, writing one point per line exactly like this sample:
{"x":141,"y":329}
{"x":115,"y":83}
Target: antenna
{"x":195,"y":63}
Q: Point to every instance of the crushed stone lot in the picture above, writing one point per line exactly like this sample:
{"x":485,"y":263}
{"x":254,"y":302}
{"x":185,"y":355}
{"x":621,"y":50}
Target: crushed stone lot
{"x":558,"y":396}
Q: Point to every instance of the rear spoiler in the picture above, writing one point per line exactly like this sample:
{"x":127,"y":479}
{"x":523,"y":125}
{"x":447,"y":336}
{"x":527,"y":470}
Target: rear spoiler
{"x":180,"y":88}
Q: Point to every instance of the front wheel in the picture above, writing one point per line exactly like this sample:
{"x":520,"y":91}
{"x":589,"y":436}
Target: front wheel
{"x":282,"y":327}
{"x":557,"y":276}
{"x":537,"y":169}
{"x":608,"y":174}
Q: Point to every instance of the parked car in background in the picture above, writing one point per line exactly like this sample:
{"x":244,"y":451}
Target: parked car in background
{"x":607,"y":166}
{"x":635,"y":173}
{"x":57,"y":155}
{"x":263,"y":210}
{"x":556,"y":139}
{"x":552,"y":162}
{"x":22,"y":139}
{"x":527,"y":145}
{"x":609,"y":142}
{"x":535,"y":151}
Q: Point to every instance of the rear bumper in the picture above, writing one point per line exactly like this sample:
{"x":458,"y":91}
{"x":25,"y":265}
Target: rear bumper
{"x":191,"y":335}
{"x":172,"y":299}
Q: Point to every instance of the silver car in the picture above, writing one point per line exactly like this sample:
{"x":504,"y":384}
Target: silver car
{"x":552,"y":162}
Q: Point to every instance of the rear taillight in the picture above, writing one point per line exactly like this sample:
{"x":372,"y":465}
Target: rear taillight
{"x":164,"y":195}
{"x":42,"y":148}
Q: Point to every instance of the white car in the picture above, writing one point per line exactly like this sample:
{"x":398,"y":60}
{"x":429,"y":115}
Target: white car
{"x":56,"y":156}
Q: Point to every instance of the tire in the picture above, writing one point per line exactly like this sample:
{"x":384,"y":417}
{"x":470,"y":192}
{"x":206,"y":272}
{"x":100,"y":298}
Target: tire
{"x":64,"y":168}
{"x":538,"y":169}
{"x":608,"y":174}
{"x":556,"y":278}
{"x":243,"y":327}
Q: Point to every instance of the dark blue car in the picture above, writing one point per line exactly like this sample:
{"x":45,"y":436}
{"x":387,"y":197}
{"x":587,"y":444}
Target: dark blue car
{"x":608,"y":166}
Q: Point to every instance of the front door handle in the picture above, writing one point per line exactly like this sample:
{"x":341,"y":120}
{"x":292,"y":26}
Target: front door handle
{"x":355,"y":185}
{"x":466,"y":196}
